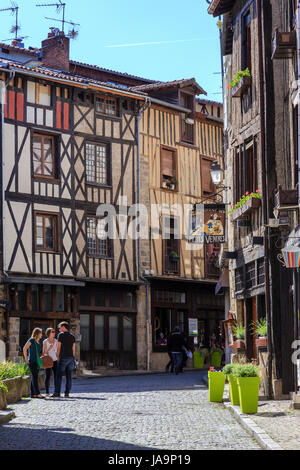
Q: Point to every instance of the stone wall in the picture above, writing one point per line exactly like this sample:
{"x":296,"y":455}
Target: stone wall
{"x":13,"y":335}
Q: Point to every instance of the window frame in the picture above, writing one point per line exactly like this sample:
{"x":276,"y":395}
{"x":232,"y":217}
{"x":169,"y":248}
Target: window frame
{"x":56,"y":230}
{"x":175,"y":165}
{"x":109,"y":243}
{"x":53,"y":138}
{"x":105,"y":145}
{"x":105,"y":100}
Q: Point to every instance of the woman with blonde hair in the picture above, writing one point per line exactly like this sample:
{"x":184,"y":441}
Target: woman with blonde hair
{"x":34,"y":347}
{"x":50,"y":349}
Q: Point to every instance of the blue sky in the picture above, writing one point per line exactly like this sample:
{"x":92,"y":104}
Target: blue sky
{"x":185,"y":37}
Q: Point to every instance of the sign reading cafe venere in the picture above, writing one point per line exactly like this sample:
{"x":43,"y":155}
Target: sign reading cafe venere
{"x":213,"y":228}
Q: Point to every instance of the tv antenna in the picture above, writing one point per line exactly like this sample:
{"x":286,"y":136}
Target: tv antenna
{"x":14,"y":9}
{"x":59,"y":7}
{"x":73,"y":33}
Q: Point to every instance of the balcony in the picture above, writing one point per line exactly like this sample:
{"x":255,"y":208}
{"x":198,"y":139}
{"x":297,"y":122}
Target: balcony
{"x":242,"y":87}
{"x":249,"y":207}
{"x":284,"y":45}
{"x":286,"y":197}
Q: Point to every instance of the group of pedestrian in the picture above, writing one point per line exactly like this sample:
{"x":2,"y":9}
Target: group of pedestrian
{"x":60,"y":350}
{"x":178,"y":351}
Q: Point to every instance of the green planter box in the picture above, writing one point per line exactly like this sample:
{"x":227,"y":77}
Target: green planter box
{"x":216,"y":359}
{"x":248,"y":393}
{"x":234,"y":390}
{"x":199,"y":360}
{"x":216,"y":384}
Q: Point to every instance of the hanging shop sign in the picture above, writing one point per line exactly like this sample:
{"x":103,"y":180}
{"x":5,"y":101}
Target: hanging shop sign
{"x":212,"y":228}
{"x":290,"y":254}
{"x":193,"y":326}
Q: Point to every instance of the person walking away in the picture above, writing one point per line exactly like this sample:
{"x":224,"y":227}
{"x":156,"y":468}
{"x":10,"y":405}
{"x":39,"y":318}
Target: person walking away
{"x":175,"y":345}
{"x":32,"y":354}
{"x":50,"y":349}
{"x":65,"y":356}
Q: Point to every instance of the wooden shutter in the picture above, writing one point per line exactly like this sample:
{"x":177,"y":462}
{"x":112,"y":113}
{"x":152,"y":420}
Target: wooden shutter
{"x":207,"y":184}
{"x":168,"y":167}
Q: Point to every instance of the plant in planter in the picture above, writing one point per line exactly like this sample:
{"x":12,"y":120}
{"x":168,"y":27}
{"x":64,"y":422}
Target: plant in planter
{"x":238,"y":76}
{"x":216,"y":385}
{"x":199,"y":359}
{"x":239,"y":333}
{"x":244,"y":199}
{"x":216,"y":355}
{"x":165,"y":183}
{"x":174,"y":256}
{"x":228,"y":370}
{"x":248,"y":381}
{"x":260,"y":328}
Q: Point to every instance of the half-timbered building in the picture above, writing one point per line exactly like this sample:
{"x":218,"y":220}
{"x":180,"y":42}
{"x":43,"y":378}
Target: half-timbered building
{"x":68,"y":145}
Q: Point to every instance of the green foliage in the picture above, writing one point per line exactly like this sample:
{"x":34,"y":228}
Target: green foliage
{"x":244,"y":199}
{"x":3,"y":387}
{"x":239,"y":331}
{"x":239,"y":74}
{"x":228,"y":369}
{"x":261,"y":327}
{"x":246,"y":370}
{"x":9,"y":370}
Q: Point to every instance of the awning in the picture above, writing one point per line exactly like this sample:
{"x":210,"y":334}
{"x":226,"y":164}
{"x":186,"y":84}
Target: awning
{"x":223,"y":282}
{"x":53,"y":282}
{"x":219,"y":7}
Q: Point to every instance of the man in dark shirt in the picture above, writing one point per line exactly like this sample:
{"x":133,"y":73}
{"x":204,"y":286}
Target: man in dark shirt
{"x":175,"y":346}
{"x":65,"y":356}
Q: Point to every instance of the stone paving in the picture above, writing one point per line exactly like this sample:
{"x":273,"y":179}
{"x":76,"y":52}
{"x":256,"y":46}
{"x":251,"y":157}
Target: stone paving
{"x":127,"y":413}
{"x":280,"y":422}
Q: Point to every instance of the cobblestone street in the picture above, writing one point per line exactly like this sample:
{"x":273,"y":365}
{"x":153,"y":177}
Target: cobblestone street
{"x":127,"y":413}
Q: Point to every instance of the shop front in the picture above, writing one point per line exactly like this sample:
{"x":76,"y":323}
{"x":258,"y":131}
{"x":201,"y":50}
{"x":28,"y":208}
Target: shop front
{"x":180,"y":304}
{"x":108,"y":327}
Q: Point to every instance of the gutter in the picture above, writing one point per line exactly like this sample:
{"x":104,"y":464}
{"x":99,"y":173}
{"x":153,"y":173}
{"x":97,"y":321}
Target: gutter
{"x":4,"y":274}
{"x":146,"y":106}
{"x":265,"y":196}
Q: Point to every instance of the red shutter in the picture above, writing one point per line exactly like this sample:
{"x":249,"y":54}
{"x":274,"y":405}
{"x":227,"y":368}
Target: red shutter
{"x":66,"y":116}
{"x":12,"y":104}
{"x":58,"y":114}
{"x":20,"y":106}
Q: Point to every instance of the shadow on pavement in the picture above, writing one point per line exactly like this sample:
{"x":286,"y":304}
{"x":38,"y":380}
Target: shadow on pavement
{"x":15,"y":437}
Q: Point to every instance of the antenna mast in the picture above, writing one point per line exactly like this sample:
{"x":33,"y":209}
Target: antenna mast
{"x":59,"y":7}
{"x":14,"y":9}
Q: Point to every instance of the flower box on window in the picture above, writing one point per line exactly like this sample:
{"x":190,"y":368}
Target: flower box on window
{"x":247,"y":208}
{"x":241,"y":88}
{"x":286,"y":197}
{"x":261,"y":342}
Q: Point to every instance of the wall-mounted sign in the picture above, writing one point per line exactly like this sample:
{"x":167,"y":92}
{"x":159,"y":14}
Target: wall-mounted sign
{"x":193,"y":326}
{"x":215,"y":223}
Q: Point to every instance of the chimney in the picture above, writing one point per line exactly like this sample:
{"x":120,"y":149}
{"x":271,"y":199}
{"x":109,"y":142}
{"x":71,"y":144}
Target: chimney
{"x":56,"y":50}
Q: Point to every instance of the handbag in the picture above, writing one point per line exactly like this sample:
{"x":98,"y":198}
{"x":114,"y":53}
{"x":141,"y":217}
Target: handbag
{"x":47,"y":362}
{"x":38,"y":358}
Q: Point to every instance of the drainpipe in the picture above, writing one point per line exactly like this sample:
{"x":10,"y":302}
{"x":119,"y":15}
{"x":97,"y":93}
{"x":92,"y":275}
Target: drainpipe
{"x":146,"y":105}
{"x":296,"y":275}
{"x":265,"y":205}
{"x":4,"y":274}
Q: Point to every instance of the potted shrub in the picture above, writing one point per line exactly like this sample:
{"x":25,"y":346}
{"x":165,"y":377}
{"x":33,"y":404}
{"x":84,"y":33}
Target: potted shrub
{"x":174,"y":256}
{"x":199,"y":359}
{"x":216,"y":384}
{"x":239,"y":333}
{"x":261,"y":329}
{"x":233,"y":386}
{"x":165,"y":184}
{"x":216,"y":355}
{"x":248,"y":381}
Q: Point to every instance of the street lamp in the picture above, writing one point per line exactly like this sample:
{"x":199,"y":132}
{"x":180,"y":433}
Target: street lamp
{"x":216,"y":173}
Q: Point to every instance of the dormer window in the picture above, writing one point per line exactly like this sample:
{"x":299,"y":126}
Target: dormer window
{"x":187,"y":120}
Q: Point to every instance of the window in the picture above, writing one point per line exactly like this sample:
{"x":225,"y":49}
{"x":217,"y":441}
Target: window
{"x":163,"y":296}
{"x":97,"y":163}
{"x":171,"y":247}
{"x":106,"y":106}
{"x":38,"y":93}
{"x":168,"y":168}
{"x":44,"y":156}
{"x":85,"y":332}
{"x":245,"y":169}
{"x":246,"y":42}
{"x":211,"y":252}
{"x":98,"y":245}
{"x":37,"y":298}
{"x":187,"y":125}
{"x":99,"y":332}
{"x":47,"y":298}
{"x":46,"y":232}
